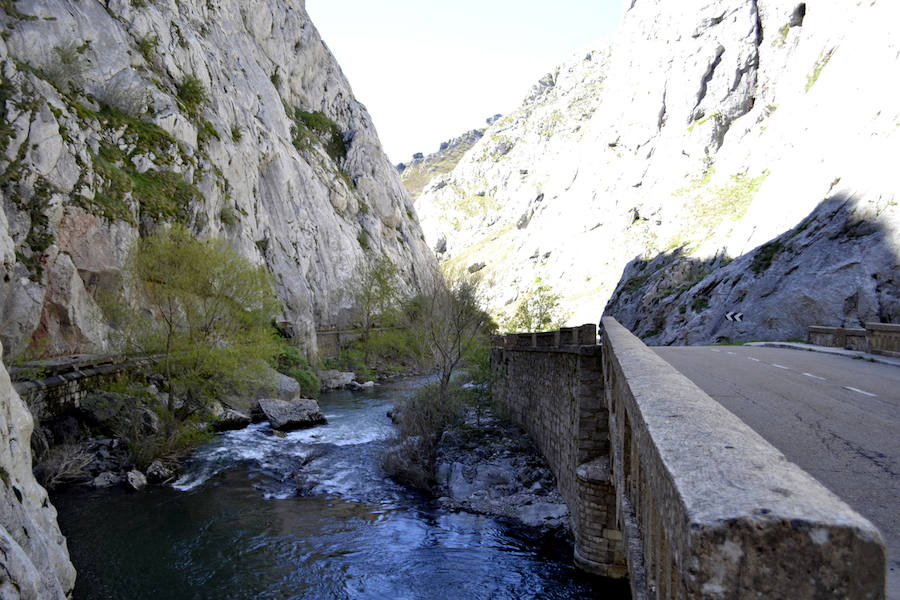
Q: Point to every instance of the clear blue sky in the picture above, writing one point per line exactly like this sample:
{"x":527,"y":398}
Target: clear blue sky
{"x":428,"y":71}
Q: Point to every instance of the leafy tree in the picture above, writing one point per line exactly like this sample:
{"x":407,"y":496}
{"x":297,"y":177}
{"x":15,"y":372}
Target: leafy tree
{"x":376,"y":295}
{"x":205,"y":311}
{"x":538,"y":310}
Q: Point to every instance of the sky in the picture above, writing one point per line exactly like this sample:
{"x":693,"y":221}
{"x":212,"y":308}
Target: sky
{"x":429,"y":71}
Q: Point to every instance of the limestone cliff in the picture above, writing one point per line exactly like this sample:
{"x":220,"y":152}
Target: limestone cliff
{"x":235,"y":119}
{"x":416,"y":174}
{"x":34,"y":561}
{"x":696,"y":136}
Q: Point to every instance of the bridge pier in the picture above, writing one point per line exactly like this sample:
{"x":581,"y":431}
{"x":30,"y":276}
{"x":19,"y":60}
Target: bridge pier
{"x":551,"y":384}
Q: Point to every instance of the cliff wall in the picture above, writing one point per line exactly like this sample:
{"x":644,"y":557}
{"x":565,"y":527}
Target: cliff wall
{"x":118,"y":117}
{"x":698,"y":134}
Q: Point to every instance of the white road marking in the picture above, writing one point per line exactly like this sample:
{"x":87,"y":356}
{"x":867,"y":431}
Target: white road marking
{"x":732,"y":353}
{"x":858,"y":391}
{"x":711,"y":350}
{"x":777,"y":366}
{"x":814,"y":376}
{"x":754,"y":359}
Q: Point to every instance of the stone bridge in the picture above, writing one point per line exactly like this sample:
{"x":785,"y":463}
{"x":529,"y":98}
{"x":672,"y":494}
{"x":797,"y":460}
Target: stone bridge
{"x":47,"y":386}
{"x":667,"y":487}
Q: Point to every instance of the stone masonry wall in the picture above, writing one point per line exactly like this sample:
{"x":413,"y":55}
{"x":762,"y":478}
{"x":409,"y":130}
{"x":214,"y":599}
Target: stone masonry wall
{"x":550,"y":383}
{"x":711,"y":509}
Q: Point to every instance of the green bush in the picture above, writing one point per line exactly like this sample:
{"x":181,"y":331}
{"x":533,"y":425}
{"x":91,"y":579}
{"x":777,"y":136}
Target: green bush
{"x":191,"y":93}
{"x":292,"y":363}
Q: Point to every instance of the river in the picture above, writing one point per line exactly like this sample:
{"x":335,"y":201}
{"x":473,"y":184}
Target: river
{"x":234,"y":526}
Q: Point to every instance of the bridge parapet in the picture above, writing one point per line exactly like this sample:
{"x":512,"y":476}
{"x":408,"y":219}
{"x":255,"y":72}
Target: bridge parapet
{"x":712,"y":510}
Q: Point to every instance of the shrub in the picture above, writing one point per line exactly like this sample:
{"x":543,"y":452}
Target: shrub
{"x":147,"y":46}
{"x":763,"y":258}
{"x":292,"y":363}
{"x":237,"y":132}
{"x":191,"y":93}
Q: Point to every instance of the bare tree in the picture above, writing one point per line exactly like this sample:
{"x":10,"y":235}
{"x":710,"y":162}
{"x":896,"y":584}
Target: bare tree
{"x":451,"y":325}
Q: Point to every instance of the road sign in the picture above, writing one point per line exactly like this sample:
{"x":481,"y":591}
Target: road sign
{"x":738,"y":317}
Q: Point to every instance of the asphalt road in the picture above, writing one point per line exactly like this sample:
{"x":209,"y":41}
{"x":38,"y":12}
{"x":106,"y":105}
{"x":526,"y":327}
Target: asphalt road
{"x":836,"y":417}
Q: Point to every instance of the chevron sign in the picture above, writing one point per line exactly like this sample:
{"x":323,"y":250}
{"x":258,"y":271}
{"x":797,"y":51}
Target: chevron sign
{"x":735,"y":316}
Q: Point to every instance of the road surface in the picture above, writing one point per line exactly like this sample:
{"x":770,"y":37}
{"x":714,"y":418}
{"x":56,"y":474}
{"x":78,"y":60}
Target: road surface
{"x":836,"y":417}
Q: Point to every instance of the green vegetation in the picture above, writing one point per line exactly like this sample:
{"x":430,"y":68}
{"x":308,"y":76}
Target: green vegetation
{"x":292,"y":363}
{"x":158,"y":194}
{"x":192,"y":94}
{"x":237,"y":132}
{"x":375,"y":294}
{"x":310,"y":126}
{"x":704,"y":120}
{"x":699,"y":303}
{"x":147,"y":47}
{"x":763,"y":258}
{"x":709,"y":205}
{"x":813,"y":77}
{"x":209,"y":318}
{"x":538,"y":310}
{"x":275,"y":79}
{"x":363,"y":239}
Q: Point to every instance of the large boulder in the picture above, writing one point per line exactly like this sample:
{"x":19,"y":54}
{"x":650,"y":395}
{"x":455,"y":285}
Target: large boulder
{"x":231,"y":419}
{"x":335,"y":380}
{"x":287,"y":416}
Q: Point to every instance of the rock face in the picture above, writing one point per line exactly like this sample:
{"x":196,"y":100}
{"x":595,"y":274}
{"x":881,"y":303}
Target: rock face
{"x":422,"y":169}
{"x":119,"y":117}
{"x":289,"y":415}
{"x":698,"y":134}
{"x":35,"y":559}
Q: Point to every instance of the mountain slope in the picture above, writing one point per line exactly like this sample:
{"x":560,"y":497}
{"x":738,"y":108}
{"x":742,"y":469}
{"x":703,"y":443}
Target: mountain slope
{"x":700,"y":132}
{"x":119,"y":117}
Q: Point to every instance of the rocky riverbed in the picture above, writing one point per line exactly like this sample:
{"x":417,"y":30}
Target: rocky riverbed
{"x":492,"y":467}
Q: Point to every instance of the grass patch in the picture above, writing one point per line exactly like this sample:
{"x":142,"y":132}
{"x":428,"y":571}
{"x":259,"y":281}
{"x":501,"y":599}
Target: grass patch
{"x":700,"y":303}
{"x":159,"y":194}
{"x":813,"y":76}
{"x":316,"y":126}
{"x":763,"y":258}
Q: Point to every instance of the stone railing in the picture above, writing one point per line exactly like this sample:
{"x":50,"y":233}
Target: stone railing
{"x":550,"y":384}
{"x":884,"y":338}
{"x":709,"y":508}
{"x":876,"y":338}
{"x":839,"y":337}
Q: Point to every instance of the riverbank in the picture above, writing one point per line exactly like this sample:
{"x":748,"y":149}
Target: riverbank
{"x":489,"y":466}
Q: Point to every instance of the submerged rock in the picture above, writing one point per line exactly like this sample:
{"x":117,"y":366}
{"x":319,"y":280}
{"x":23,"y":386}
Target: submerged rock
{"x":287,"y":416}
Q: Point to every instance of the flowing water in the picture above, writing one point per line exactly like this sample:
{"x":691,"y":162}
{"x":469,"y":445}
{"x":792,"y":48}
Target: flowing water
{"x":234,"y":526}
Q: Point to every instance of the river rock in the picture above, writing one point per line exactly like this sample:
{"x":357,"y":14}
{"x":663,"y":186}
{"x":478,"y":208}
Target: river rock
{"x":231,"y":419}
{"x":493,"y":468}
{"x":106,"y":479}
{"x":286,"y":416}
{"x":136,"y":480}
{"x":157,"y":472}
{"x":335,"y":380}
